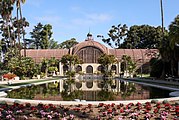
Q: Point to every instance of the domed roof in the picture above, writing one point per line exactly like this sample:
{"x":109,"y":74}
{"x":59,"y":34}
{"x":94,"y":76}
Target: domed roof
{"x":89,"y":42}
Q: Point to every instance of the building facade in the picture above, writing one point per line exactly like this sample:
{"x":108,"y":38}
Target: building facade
{"x":89,"y":51}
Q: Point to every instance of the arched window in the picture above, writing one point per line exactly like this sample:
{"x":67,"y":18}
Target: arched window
{"x":89,"y":69}
{"x":113,"y":68}
{"x":65,"y":68}
{"x":100,"y":68}
{"x":89,"y":84}
{"x":89,"y":54}
{"x":78,"y":85}
{"x":78,"y":68}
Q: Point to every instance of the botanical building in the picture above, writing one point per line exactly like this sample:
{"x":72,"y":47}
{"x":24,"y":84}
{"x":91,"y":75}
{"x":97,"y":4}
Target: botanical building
{"x":89,"y":51}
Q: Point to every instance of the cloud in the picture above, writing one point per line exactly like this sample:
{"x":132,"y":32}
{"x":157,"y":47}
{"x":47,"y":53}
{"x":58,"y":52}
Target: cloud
{"x":51,"y":19}
{"x":99,"y":17}
{"x":34,"y":3}
{"x":92,"y":19}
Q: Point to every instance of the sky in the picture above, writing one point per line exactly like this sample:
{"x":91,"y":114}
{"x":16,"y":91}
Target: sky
{"x":75,"y":18}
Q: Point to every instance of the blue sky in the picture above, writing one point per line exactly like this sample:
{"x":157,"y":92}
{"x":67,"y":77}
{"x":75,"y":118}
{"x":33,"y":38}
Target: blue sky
{"x":74,"y":18}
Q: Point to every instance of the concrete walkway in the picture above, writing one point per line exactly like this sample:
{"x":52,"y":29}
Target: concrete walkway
{"x":168,"y":85}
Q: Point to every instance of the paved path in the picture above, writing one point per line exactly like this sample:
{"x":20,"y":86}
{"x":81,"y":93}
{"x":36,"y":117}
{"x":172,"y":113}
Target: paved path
{"x":173,"y":86}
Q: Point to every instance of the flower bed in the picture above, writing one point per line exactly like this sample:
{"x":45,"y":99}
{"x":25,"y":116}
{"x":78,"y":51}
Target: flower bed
{"x":9,"y":76}
{"x":153,"y":110}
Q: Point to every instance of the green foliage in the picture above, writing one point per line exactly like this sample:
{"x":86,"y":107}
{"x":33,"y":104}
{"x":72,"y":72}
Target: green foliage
{"x":53,"y":44}
{"x":165,"y":101}
{"x":68,"y":43}
{"x":127,"y":90}
{"x":46,"y":36}
{"x":30,"y":92}
{"x":23,"y":67}
{"x":49,"y":65}
{"x":70,"y":60}
{"x":71,"y":73}
{"x":72,"y":95}
{"x":11,"y":28}
{"x":128,"y":64}
{"x":156,"y":67}
{"x":106,"y":60}
{"x":116,"y":35}
{"x":174,"y":32}
{"x":143,"y":36}
{"x":41,"y":37}
{"x":154,"y":101}
{"x":52,"y":69}
{"x":104,"y":95}
{"x":36,"y":36}
{"x":137,"y":36}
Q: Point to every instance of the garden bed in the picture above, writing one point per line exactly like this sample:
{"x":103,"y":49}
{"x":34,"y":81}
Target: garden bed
{"x":154,"y":110}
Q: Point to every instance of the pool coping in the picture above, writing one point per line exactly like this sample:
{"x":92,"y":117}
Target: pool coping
{"x":83,"y":102}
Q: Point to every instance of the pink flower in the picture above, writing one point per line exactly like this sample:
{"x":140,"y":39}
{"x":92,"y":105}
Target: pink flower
{"x":72,"y":116}
{"x":163,"y":117}
{"x":25,"y":117}
{"x":120,"y":118}
{"x":148,"y":115}
{"x":64,"y":118}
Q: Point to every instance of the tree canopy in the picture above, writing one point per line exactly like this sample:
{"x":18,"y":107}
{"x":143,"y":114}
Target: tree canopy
{"x":174,"y":32}
{"x":41,"y":36}
{"x":68,"y":43}
{"x":136,"y":37}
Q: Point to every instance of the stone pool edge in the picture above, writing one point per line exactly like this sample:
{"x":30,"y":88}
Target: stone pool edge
{"x":83,"y":102}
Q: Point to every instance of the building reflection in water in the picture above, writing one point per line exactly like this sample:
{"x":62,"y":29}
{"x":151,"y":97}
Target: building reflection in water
{"x":89,"y":90}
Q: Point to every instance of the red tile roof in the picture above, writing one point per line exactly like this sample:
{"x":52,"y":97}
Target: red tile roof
{"x":39,"y":54}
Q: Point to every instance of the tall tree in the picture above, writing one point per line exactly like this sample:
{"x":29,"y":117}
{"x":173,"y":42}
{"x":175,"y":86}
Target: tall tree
{"x":174,"y":32}
{"x":129,"y":64}
{"x":143,"y":36}
{"x":116,"y":35}
{"x":41,"y":36}
{"x":68,"y":43}
{"x":53,"y":44}
{"x":36,"y":36}
{"x":6,"y":8}
{"x":174,"y":41}
{"x":19,"y":12}
{"x":46,"y":36}
{"x":162,"y":16}
{"x":12,"y":28}
{"x":106,"y":60}
{"x":71,"y":61}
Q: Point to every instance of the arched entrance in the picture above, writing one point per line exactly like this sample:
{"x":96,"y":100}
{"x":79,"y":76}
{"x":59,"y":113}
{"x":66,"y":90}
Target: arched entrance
{"x":100,"y":68}
{"x":65,"y":68}
{"x":78,"y":68}
{"x":89,"y":69}
{"x":114,"y":68}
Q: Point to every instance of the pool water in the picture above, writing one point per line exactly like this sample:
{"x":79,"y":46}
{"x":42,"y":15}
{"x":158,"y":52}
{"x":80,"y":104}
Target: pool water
{"x":89,"y":90}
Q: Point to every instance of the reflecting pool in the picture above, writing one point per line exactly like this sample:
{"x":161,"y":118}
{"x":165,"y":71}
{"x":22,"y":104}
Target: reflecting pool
{"x":89,"y":90}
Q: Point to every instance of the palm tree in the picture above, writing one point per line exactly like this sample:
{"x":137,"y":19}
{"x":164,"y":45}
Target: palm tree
{"x":19,"y":11}
{"x":125,"y":60}
{"x":162,"y":16}
{"x":6,"y":8}
{"x":174,"y":32}
{"x":174,"y":40}
{"x":162,"y":49}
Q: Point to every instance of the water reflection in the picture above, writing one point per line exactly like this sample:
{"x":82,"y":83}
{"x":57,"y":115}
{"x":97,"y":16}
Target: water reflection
{"x":87,"y":90}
